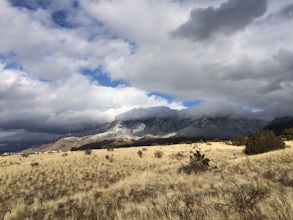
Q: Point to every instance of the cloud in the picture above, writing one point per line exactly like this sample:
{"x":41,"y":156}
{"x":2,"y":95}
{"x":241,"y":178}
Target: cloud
{"x":99,"y":58}
{"x":147,"y":113}
{"x":217,"y":108}
{"x":286,"y":12}
{"x":231,"y":16}
{"x":53,"y":108}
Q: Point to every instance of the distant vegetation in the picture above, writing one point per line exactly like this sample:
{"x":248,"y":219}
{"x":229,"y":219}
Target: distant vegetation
{"x":239,"y":140}
{"x":288,"y":134}
{"x":263,"y":141}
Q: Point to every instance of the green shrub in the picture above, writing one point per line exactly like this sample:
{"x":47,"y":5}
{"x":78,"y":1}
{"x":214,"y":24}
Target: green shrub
{"x":288,"y":134}
{"x":197,"y":162}
{"x":239,"y":140}
{"x":74,"y":149}
{"x":263,"y":141}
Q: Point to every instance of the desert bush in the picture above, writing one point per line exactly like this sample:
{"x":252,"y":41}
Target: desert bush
{"x":74,"y":149}
{"x":88,"y":152}
{"x":263,"y":141}
{"x":179,"y":156}
{"x":288,"y":134}
{"x":109,"y":147}
{"x":188,"y":142}
{"x":247,"y":196}
{"x":158,"y":154}
{"x":239,"y":140}
{"x":34,"y":164}
{"x":216,"y":140}
{"x":25,"y":155}
{"x":197,"y":162}
{"x":140,"y":153}
{"x":110,"y":158}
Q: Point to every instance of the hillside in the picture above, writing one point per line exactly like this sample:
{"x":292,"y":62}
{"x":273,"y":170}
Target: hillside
{"x":145,"y":131}
{"x":278,"y":125}
{"x":121,"y":185}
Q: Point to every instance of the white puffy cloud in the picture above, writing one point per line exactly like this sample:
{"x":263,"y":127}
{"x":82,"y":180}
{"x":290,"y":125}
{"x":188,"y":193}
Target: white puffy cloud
{"x":29,"y":105}
{"x":244,"y":67}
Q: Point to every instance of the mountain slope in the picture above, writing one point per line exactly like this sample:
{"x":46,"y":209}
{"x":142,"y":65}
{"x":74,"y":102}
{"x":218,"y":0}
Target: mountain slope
{"x":155,"y":130}
{"x":278,"y":125}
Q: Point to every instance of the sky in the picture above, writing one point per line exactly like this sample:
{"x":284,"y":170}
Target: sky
{"x":68,"y":64}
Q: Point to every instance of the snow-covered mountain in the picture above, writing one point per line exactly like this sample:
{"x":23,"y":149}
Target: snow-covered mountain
{"x":156,"y":129}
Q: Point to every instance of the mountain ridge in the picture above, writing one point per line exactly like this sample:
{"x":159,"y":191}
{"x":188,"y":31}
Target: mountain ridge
{"x":124,"y":133}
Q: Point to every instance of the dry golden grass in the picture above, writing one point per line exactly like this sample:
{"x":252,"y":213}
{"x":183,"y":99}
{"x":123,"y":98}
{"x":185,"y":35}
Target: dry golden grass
{"x":120,"y":184}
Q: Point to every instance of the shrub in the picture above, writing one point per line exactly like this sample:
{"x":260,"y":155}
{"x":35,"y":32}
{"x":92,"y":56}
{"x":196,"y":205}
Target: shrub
{"x":239,"y":140}
{"x":25,"y":155}
{"x":197,"y":162}
{"x":216,"y":140}
{"x":247,"y":197}
{"x":288,"y":134}
{"x":179,"y":156}
{"x":140,"y":153}
{"x":109,"y":147}
{"x":88,"y":152}
{"x":263,"y":141}
{"x":110,"y":158}
{"x":158,"y":154}
{"x":34,"y":164}
{"x":74,"y":149}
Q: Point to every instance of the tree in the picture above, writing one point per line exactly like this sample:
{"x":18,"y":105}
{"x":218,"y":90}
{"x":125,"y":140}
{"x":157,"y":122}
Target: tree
{"x":288,"y":134}
{"x":263,"y":141}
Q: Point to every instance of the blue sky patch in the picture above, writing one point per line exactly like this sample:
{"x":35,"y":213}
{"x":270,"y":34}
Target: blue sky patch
{"x":193,"y":103}
{"x":75,"y":4}
{"x":30,"y":4}
{"x":252,"y":109}
{"x":61,"y":19}
{"x":187,"y":104}
{"x":103,"y":78}
{"x":13,"y":66}
{"x":8,"y":60}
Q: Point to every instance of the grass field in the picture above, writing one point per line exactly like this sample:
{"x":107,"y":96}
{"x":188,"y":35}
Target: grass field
{"x":120,"y":184}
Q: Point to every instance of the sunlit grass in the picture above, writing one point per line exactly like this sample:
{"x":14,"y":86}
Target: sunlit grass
{"x":121,"y":184}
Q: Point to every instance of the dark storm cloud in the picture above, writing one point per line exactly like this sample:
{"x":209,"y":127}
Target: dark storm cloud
{"x":286,"y":12}
{"x":230,"y":17}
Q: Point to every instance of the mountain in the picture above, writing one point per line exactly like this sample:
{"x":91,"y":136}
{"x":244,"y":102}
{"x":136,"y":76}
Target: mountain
{"x":146,"y":131}
{"x":278,"y":125}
